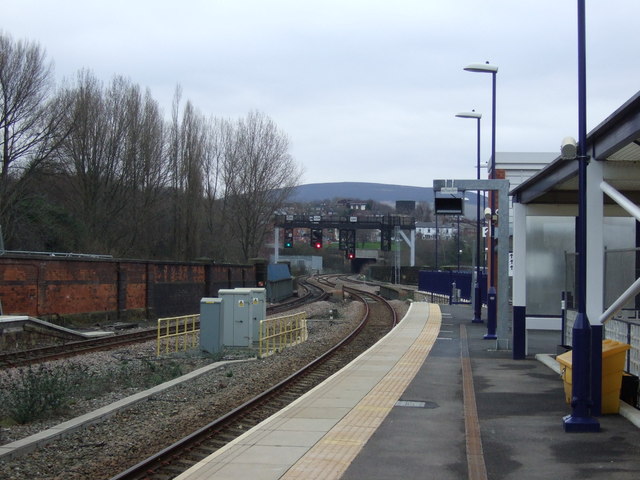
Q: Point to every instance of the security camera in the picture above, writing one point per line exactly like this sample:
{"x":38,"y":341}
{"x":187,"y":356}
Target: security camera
{"x":487,"y":213}
{"x":568,"y":148}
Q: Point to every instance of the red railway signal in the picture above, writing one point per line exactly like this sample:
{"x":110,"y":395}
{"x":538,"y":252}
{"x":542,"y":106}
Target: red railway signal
{"x":316,"y":238}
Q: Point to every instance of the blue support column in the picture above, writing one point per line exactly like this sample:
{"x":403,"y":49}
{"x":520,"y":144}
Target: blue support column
{"x":492,"y":294}
{"x":563,"y":318}
{"x":477,"y":298}
{"x":519,"y":333}
{"x":580,"y":419}
{"x":492,"y":314}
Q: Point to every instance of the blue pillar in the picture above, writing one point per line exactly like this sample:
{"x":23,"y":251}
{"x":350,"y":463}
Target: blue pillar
{"x":580,"y":419}
{"x":492,"y":314}
{"x":519,"y":333}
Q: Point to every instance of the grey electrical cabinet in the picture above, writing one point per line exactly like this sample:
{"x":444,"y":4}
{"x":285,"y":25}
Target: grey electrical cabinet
{"x":236,"y":313}
{"x":258,"y":310}
{"x":211,"y":325}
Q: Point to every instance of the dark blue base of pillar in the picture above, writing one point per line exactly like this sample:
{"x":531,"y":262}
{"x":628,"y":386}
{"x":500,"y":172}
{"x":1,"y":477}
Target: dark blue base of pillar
{"x":519,"y":333}
{"x":581,"y":419}
{"x":492,"y":314}
{"x":477,"y":308}
{"x":580,"y":424}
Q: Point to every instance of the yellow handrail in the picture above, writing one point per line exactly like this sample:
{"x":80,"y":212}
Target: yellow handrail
{"x":172,"y":330}
{"x":281,"y":332}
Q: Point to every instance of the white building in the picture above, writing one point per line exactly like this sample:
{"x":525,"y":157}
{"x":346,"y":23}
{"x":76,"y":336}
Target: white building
{"x":427,"y":230}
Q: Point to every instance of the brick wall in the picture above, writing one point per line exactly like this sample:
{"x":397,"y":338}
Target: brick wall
{"x":65,"y":287}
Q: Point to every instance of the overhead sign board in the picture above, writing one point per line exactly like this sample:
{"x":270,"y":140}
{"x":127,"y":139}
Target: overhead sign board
{"x":449,"y":206}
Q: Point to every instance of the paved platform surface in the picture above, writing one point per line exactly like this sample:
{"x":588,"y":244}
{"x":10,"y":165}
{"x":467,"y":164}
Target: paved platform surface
{"x":433,"y":404}
{"x":520,"y":405}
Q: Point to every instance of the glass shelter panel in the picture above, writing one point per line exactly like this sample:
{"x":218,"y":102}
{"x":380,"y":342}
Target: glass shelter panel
{"x":620,"y":258}
{"x":548,"y":238}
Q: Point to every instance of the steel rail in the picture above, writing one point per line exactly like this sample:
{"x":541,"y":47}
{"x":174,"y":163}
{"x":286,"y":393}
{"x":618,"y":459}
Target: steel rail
{"x":165,"y":457}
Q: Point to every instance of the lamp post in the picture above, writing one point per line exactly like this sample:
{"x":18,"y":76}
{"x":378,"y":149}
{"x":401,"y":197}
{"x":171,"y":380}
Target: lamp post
{"x":492,"y":300}
{"x":458,"y":243}
{"x":580,"y":419}
{"x":477,"y":307}
{"x":436,"y":242}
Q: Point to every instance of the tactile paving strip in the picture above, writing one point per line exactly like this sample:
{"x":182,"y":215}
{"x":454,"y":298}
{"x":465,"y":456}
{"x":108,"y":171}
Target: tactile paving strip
{"x":333,"y":454}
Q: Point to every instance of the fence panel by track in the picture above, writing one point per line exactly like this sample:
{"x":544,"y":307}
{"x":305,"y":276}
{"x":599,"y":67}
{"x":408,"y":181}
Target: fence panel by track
{"x":281,"y":332}
{"x":177,"y":333}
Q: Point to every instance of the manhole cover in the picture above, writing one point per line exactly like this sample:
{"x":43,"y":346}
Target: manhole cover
{"x":416,"y":404}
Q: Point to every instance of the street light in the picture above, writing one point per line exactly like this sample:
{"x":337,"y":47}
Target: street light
{"x":458,"y":243}
{"x":585,"y":366}
{"x":492,"y":295}
{"x":477,"y":308}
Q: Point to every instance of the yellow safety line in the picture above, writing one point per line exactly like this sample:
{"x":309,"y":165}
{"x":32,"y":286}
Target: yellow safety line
{"x":475,"y":455}
{"x":330,"y":457}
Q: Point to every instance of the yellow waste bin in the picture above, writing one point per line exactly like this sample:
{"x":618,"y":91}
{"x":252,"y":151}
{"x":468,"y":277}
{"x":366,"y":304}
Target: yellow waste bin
{"x":613,"y":357}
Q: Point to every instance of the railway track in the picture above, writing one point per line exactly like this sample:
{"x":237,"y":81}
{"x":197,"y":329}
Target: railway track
{"x":313,"y":293}
{"x":70,"y":349}
{"x":378,"y":319}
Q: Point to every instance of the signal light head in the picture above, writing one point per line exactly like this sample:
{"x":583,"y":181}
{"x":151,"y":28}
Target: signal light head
{"x":316,"y":238}
{"x":288,"y":238}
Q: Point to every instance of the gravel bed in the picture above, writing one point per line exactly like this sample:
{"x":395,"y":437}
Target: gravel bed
{"x":106,"y":448}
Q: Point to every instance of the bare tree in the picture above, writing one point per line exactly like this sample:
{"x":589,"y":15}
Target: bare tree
{"x":258,"y":176}
{"x":214,"y":245}
{"x":113,"y":162}
{"x":423,"y":212}
{"x":125,"y":181}
{"x":29,"y":121}
{"x":188,"y":145}
{"x":144,"y":173}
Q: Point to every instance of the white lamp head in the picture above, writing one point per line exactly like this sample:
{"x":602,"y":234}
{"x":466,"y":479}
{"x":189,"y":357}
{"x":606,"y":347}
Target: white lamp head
{"x":481,"y":68}
{"x":468,"y":115}
{"x":568,"y":148}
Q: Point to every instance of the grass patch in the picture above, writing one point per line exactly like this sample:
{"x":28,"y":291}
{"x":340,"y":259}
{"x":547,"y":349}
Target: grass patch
{"x":41,"y":392}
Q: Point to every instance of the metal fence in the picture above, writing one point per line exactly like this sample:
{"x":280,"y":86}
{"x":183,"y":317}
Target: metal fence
{"x":620,"y":271}
{"x":432,"y":297}
{"x":281,"y":332}
{"x":456,"y":287}
{"x":177,"y":333}
{"x":626,"y":330}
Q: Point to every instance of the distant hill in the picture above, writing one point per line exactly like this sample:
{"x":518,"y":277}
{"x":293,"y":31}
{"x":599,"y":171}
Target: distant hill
{"x":378,"y":192}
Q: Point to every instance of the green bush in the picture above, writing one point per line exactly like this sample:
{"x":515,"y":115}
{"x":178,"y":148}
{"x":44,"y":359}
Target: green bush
{"x":153,"y":373}
{"x":36,"y":392}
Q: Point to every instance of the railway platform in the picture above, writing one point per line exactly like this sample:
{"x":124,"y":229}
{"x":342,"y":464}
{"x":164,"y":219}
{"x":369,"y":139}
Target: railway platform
{"x":432,"y":400}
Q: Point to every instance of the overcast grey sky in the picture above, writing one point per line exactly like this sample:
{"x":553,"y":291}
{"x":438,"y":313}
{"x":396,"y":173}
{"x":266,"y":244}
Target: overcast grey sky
{"x":366,"y":90}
